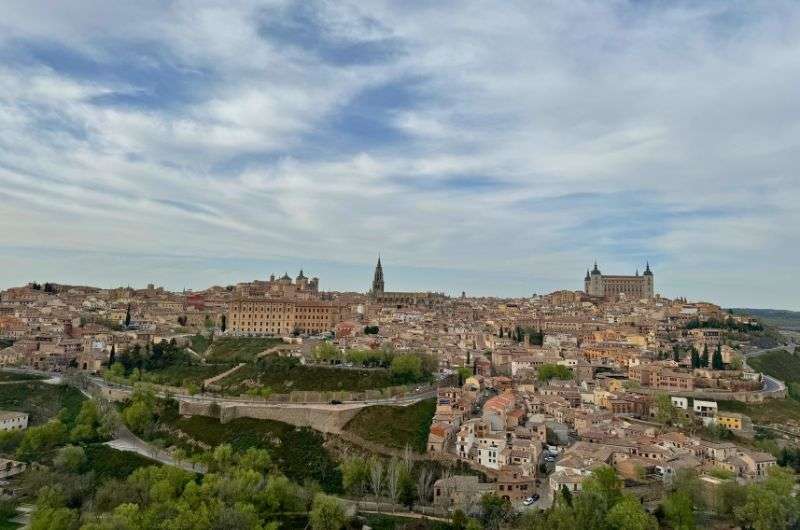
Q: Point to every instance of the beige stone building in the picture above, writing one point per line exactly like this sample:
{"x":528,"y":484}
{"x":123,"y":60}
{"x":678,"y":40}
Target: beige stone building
{"x":273,"y":316}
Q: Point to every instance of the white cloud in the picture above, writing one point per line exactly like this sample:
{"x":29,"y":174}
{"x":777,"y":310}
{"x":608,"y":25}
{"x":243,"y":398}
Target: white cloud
{"x":677,"y":120}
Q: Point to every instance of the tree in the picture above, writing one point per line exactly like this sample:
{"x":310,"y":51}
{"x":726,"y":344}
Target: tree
{"x":54,"y":519}
{"x":665,"y":410}
{"x":376,"y":480}
{"x":223,"y":323}
{"x":458,"y":520}
{"x":704,"y":357}
{"x":549,"y":371}
{"x":407,"y":368}
{"x":770,"y":504}
{"x":424,"y":485}
{"x":128,"y":316}
{"x":679,"y":510}
{"x":716,"y":360}
{"x":695,"y":358}
{"x":113,"y":355}
{"x":355,"y":476}
{"x":393,"y":476}
{"x":495,"y":510}
{"x":138,"y":416}
{"x":628,"y":514}
{"x":41,"y":438}
{"x":70,"y":458}
{"x":566,"y":495}
{"x":327,"y":513}
{"x":463,"y":374}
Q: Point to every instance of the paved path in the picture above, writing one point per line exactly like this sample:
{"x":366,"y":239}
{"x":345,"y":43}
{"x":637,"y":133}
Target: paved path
{"x":125,"y":440}
{"x":771,"y":384}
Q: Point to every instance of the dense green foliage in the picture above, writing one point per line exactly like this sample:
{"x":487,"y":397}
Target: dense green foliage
{"x":546,"y":372}
{"x":601,"y":505}
{"x":770,"y":411}
{"x":241,"y":491}
{"x":297,"y":452}
{"x":42,"y":401}
{"x":778,"y":318}
{"x":727,"y":323}
{"x":14,"y":376}
{"x":393,"y":426}
{"x":109,"y":463}
{"x":200,"y":343}
{"x":761,"y":505}
{"x":285,"y":374}
{"x":163,"y":363}
{"x":405,"y":367}
{"x":779,"y":364}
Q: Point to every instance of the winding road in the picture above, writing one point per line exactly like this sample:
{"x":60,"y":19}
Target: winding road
{"x":771,"y":384}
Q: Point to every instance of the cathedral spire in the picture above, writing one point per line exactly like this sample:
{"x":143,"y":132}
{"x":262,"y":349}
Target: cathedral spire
{"x":377,"y":280}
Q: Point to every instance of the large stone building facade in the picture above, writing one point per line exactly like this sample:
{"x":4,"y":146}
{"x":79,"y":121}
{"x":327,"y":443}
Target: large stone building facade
{"x":605,"y":286}
{"x":274,"y":316}
{"x":283,"y":287}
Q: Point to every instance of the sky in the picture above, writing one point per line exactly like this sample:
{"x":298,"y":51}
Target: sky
{"x":496,"y":148}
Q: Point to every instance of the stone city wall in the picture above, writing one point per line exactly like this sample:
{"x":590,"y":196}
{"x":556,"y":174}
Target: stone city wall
{"x":330,"y":420}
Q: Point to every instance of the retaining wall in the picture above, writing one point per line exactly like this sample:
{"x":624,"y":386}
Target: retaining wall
{"x":329,"y":420}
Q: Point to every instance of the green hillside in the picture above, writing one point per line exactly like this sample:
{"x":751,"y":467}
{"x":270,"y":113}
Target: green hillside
{"x":778,"y":318}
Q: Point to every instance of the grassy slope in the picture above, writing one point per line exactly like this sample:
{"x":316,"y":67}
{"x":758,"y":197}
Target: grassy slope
{"x":41,"y":400}
{"x":177,"y":375}
{"x":779,"y":364}
{"x":773,"y":317}
{"x":784,"y":366}
{"x":769,"y":412}
{"x":233,"y":349}
{"x":395,"y":426}
{"x":199,"y":343}
{"x":282,"y":378}
{"x":109,"y":463}
{"x":393,"y":522}
{"x":298,"y":452}
{"x":9,"y":376}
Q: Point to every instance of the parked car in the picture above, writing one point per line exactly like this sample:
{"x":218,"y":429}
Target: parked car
{"x":528,"y":501}
{"x":335,"y":402}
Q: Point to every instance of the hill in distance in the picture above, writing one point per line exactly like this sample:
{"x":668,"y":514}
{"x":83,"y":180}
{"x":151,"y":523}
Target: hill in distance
{"x":779,"y":318}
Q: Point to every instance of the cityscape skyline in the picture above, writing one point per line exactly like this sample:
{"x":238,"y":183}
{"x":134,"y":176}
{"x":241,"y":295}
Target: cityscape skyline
{"x":350,"y":277}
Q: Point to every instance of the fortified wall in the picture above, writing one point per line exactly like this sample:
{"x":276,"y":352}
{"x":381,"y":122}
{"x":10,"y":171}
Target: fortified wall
{"x":324,"y":419}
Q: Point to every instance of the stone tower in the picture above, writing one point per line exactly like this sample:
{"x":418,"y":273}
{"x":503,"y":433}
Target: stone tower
{"x":594,"y":282}
{"x":377,"y":280}
{"x":648,"y":281}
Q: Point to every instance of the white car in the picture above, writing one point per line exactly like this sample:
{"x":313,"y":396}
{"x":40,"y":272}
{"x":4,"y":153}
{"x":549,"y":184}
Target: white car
{"x":528,"y":501}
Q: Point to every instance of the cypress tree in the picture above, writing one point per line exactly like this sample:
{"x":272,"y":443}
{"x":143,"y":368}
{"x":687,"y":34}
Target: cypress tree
{"x":695,"y":359}
{"x":113,"y":355}
{"x":716,"y":360}
{"x":128,"y":316}
{"x":704,"y":358}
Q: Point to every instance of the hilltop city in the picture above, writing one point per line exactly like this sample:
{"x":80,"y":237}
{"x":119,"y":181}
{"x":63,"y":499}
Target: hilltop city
{"x":464,"y":411}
